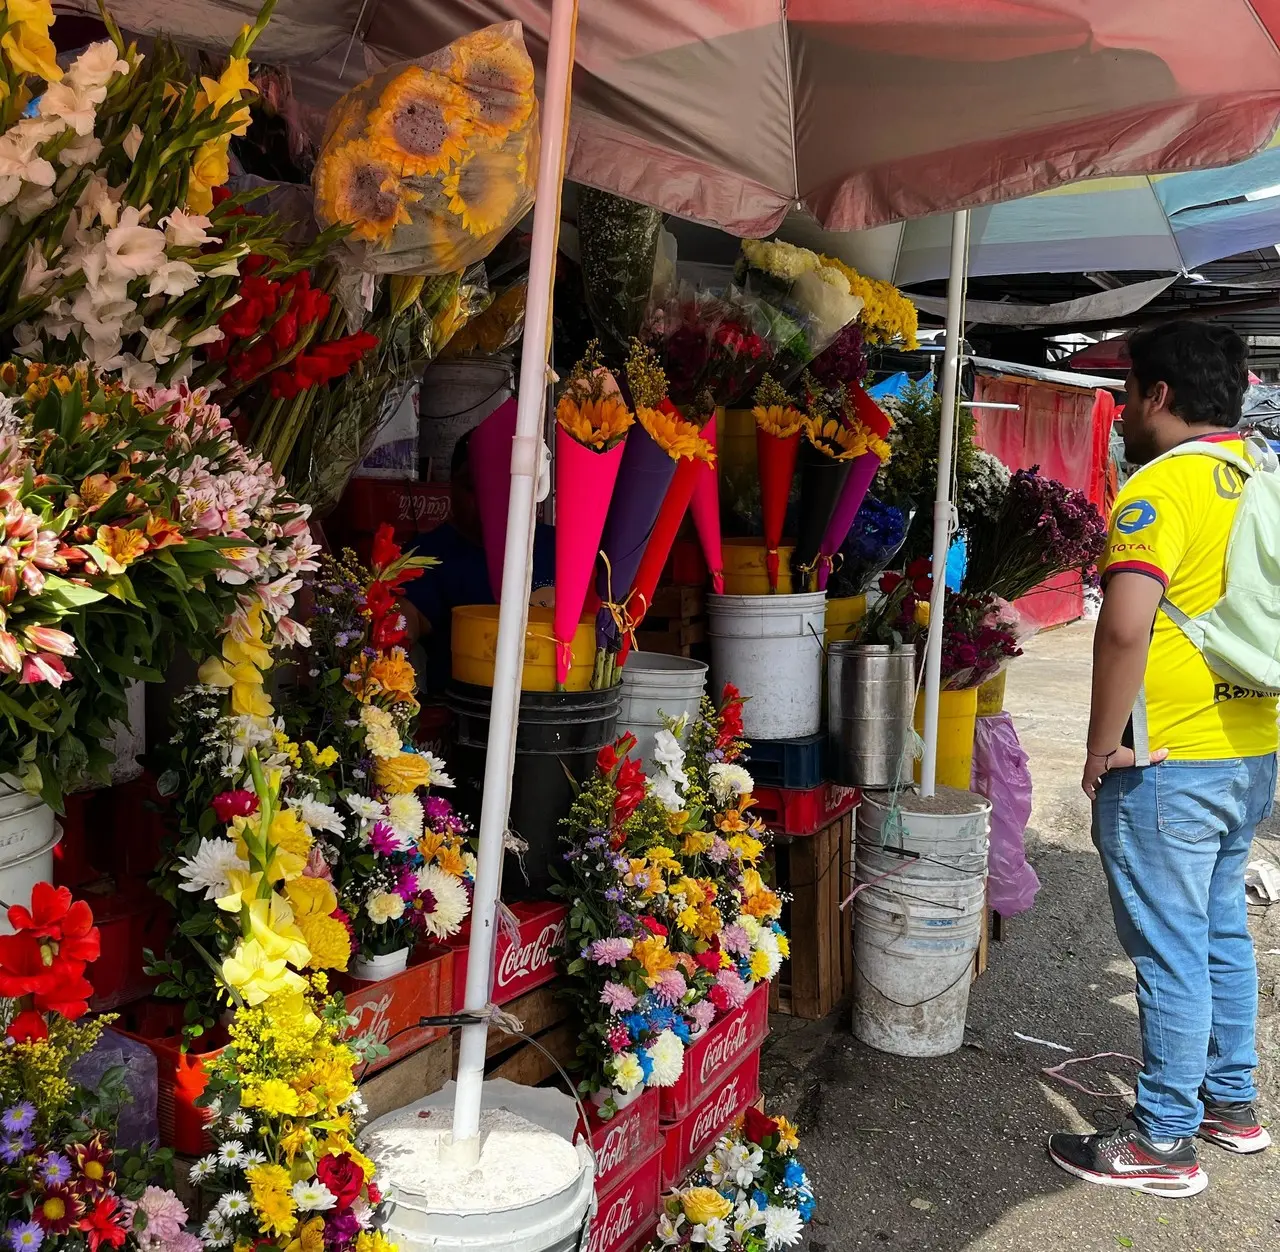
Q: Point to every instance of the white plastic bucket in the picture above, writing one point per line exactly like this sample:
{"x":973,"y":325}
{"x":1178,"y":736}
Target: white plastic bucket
{"x":654,"y":686}
{"x":556,"y":1222}
{"x":455,"y":397}
{"x":379,"y":966}
{"x":28,"y":836}
{"x":917,"y":922}
{"x":770,"y":648}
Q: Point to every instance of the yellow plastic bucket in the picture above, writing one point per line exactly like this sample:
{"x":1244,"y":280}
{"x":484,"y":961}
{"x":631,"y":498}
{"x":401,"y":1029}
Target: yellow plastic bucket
{"x":957,"y":715}
{"x":475,"y":639}
{"x":745,"y":571}
{"x":736,"y":440}
{"x":991,"y":695}
{"x":842,"y":612}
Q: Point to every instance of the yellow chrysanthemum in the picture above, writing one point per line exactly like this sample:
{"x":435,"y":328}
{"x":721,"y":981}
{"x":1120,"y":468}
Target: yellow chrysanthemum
{"x":482,"y":194}
{"x":274,"y":1097}
{"x":887,"y":315}
{"x":422,"y":123}
{"x":310,"y":1237}
{"x":497,"y":75}
{"x":759,"y":966}
{"x":359,"y":188}
{"x":595,"y":424}
{"x":834,"y":439}
{"x":676,"y":437}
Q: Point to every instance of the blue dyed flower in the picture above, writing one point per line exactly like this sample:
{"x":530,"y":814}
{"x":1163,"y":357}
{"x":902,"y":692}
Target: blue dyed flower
{"x":646,"y":1062}
{"x":18,"y":1118}
{"x":680,"y":1028}
{"x":759,"y":1199}
{"x":54,"y":1169}
{"x":806,"y":1207}
{"x":635,"y":1024}
{"x":24,"y":1236}
{"x":15,"y":1147}
{"x":794,"y":1175}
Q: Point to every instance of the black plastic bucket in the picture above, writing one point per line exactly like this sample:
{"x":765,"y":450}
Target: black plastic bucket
{"x":557,"y":739}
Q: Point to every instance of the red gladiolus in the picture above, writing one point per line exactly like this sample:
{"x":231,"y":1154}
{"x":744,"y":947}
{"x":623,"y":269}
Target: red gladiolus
{"x":608,"y":757}
{"x":630,"y":785}
{"x":378,"y":600}
{"x":342,"y":1176}
{"x":389,"y":632}
{"x":758,"y":1127}
{"x":284,"y":333}
{"x":28,"y":1027}
{"x":730,"y":716}
{"x":238,"y":803}
{"x":385,"y":548}
{"x":53,"y":914}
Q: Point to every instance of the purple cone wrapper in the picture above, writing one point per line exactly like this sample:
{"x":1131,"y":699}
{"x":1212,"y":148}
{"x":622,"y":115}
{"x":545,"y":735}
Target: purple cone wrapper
{"x":855,"y":489}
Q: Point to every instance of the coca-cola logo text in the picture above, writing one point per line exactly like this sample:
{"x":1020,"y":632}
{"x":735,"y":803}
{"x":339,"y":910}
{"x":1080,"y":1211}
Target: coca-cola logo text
{"x":620,"y":1220}
{"x":525,"y":960}
{"x":618,"y":1144}
{"x":724,"y":1048}
{"x":714,"y":1116}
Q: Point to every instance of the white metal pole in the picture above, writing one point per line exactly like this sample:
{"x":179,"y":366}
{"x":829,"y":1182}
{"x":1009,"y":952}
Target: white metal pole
{"x":513,"y":614}
{"x":942,"y":499}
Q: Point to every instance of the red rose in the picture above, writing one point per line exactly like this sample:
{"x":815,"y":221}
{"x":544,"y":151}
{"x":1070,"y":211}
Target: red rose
{"x":342,"y":1176}
{"x":238,"y":803}
{"x":758,"y":1127}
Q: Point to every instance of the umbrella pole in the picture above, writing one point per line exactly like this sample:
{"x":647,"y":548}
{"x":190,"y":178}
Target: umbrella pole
{"x":942,"y":508}
{"x":513,"y":614}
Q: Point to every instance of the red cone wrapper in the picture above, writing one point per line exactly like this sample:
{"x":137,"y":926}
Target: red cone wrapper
{"x":585,"y":481}
{"x":777,"y":462}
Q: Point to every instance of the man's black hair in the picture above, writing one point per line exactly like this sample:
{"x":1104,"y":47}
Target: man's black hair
{"x":459,"y":458}
{"x":1203,"y":366}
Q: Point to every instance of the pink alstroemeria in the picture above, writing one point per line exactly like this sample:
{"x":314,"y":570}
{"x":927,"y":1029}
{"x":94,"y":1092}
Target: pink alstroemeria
{"x":44,"y":667}
{"x":50,"y":639}
{"x":10,"y":653}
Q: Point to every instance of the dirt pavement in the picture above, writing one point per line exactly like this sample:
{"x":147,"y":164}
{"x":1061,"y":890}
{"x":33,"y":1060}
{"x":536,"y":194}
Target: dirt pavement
{"x":949,"y":1154}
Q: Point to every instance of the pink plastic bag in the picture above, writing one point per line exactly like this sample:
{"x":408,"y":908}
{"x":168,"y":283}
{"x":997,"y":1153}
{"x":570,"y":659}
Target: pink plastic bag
{"x":1000,"y":773}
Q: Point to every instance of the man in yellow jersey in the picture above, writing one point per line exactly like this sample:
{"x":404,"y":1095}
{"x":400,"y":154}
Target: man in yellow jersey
{"x":1181,"y":766}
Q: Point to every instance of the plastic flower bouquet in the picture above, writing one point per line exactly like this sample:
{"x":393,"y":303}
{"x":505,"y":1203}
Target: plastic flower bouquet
{"x":285,"y":1171}
{"x":66,"y":1184}
{"x":122,"y":510}
{"x":750,"y":1195}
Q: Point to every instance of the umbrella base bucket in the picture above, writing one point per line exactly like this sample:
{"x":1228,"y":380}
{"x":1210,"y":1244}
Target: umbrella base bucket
{"x":770,"y":648}
{"x":656,"y":686}
{"x":557,"y":739}
{"x":957,"y":721}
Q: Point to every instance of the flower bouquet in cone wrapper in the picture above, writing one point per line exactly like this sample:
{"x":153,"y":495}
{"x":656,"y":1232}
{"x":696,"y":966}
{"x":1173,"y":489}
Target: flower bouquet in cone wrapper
{"x":659,"y":441}
{"x":779,"y":429}
{"x":592,"y":421}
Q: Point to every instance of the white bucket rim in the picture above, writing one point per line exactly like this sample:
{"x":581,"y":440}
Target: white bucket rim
{"x":43,"y":850}
{"x":786,"y":602}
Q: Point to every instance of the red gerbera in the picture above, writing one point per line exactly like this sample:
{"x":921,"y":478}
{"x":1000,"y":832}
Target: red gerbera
{"x":58,"y":1209}
{"x":103,"y":1225}
{"x":238,"y":803}
{"x":758,"y":1127}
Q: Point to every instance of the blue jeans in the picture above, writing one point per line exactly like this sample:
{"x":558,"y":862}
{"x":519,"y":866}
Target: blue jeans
{"x":1174,"y":840}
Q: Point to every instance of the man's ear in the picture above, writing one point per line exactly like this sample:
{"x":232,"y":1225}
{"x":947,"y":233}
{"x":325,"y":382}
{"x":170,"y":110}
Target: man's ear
{"x":1160,"y":396}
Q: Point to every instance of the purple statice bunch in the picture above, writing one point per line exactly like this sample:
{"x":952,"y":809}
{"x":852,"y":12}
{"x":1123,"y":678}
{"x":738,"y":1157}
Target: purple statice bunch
{"x":844,"y":360}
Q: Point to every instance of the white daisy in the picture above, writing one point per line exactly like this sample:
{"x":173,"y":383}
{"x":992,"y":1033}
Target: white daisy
{"x":240,"y":1122}
{"x":234,"y":1204}
{"x":209,"y":867}
{"x":448,"y":903}
{"x":364,"y":808}
{"x":312,"y":1196}
{"x":318,"y":816}
{"x":252,"y":1158}
{"x":231,"y":1152}
{"x":438,"y":777}
{"x":783,"y":1227}
{"x":204,"y":1168}
{"x":214,"y":1231}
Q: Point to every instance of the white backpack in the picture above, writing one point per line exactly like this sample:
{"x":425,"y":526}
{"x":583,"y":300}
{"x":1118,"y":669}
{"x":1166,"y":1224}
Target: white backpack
{"x":1239,"y":637}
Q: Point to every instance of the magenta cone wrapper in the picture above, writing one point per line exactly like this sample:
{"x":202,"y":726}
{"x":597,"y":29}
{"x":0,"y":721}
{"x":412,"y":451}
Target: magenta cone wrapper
{"x":584,"y":487}
{"x":643,"y":478}
{"x":861,"y":476}
{"x":706,"y":512}
{"x":490,"y":455}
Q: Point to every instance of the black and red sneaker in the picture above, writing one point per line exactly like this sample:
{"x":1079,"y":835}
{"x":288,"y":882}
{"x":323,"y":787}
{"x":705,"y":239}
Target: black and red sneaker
{"x":1127,"y":1158}
{"x":1235,"y":1127}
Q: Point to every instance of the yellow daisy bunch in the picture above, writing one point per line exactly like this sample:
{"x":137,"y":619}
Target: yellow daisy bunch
{"x":887,"y":315}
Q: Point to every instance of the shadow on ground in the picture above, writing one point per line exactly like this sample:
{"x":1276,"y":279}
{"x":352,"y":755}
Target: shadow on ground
{"x":948,"y":1154}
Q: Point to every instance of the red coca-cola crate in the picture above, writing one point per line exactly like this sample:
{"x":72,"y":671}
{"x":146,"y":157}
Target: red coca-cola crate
{"x":628,"y":1208}
{"x":803,"y":812}
{"x":690,"y":1139}
{"x":518,"y":966}
{"x":627,"y":1137}
{"x":718,"y":1051}
{"x":129,"y":921}
{"x":410,"y":508}
{"x":388,"y":1008}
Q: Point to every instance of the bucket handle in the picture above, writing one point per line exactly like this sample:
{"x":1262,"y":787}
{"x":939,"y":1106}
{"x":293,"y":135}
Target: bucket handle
{"x":967,"y":972}
{"x":818,"y":640}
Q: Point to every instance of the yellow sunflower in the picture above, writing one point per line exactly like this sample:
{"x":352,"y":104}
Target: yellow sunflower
{"x":778,"y":420}
{"x":422,"y":123}
{"x":594,"y":422}
{"x":497,"y":75}
{"x":834,"y":439}
{"x":480,"y":193}
{"x":678,"y":438}
{"x":357,"y":187}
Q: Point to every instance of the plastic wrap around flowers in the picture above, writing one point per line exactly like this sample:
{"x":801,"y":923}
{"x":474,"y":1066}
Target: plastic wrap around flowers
{"x":431,"y":163}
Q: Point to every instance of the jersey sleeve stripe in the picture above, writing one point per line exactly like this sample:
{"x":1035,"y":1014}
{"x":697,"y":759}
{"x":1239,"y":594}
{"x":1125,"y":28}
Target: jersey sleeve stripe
{"x":1138,"y":567}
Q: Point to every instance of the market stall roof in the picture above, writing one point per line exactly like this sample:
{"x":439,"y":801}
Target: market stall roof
{"x":862,"y":112}
{"x":1036,"y":373}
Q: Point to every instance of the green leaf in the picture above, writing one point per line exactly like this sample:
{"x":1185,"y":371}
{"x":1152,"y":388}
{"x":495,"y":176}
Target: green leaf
{"x":1124,"y":1241}
{"x":70,"y":595}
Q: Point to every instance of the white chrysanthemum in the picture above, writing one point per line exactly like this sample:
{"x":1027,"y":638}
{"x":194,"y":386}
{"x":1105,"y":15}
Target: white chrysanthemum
{"x":662,"y":787}
{"x":318,"y":816}
{"x":312,"y":1196}
{"x":450,"y":902}
{"x":405,"y":814}
{"x":364,"y":808}
{"x":728,"y":782}
{"x":438,"y":776}
{"x":767,"y":942}
{"x":667,"y":1054}
{"x":208,"y":869}
{"x":384,"y":906}
{"x":234,"y":1204}
{"x":783,"y":1227}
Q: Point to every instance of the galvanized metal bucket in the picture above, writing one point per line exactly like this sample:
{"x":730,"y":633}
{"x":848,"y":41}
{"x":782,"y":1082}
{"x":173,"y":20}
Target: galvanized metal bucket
{"x":870,"y":696}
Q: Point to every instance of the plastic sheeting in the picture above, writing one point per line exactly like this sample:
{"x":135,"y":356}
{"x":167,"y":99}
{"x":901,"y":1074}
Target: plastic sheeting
{"x":1001,"y":773}
{"x":733,"y":111}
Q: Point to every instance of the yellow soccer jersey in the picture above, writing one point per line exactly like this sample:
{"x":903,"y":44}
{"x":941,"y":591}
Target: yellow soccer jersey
{"x":1172,"y":522}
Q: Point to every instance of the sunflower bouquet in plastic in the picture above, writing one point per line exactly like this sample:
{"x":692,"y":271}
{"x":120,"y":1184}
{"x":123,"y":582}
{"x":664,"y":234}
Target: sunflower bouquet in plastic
{"x":430,"y":164}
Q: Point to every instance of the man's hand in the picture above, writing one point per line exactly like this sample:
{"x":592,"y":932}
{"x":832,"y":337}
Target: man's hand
{"x":1098,"y":764}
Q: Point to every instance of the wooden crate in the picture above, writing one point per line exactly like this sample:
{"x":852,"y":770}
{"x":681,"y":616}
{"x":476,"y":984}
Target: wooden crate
{"x":421,"y":1073}
{"x":545,"y":1017}
{"x":815,"y":871}
{"x":676,"y":623}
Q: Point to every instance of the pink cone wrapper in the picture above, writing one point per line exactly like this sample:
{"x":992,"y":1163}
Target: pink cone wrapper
{"x":585,"y":480}
{"x":706,"y":511}
{"x":861,"y":475}
{"x":490,"y":455}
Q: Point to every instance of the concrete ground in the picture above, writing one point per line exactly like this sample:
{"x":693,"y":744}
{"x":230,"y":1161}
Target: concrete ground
{"x":949,"y":1154}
